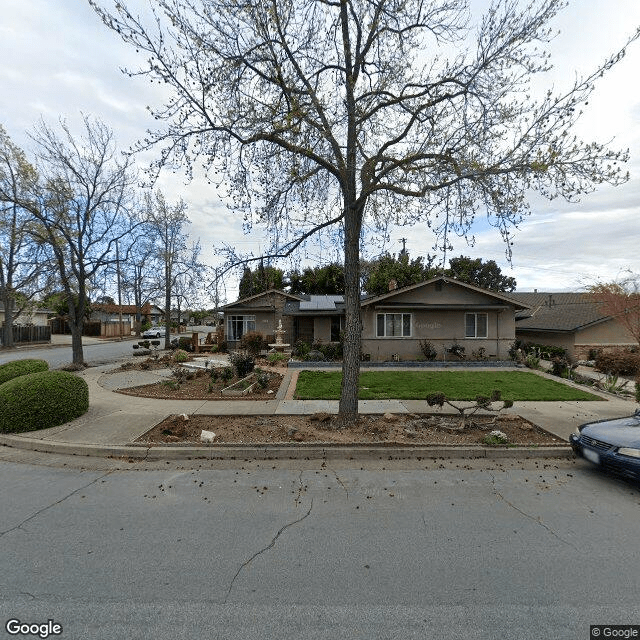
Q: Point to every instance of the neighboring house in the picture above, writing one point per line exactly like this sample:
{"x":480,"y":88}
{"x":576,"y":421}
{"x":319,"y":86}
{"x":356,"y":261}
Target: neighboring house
{"x":111,"y":313}
{"x":442,"y":310}
{"x":261,"y":312}
{"x":568,"y":320}
{"x":35,"y":317}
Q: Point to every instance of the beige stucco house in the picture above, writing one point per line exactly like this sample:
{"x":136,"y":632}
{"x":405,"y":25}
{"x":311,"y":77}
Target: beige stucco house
{"x":442,"y":310}
{"x":571,"y":321}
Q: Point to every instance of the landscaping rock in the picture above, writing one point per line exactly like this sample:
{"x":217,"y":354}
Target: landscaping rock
{"x":391,"y":417}
{"x":207,"y":436}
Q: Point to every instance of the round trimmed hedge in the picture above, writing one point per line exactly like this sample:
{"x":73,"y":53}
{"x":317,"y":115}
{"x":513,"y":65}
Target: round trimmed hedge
{"x":41,"y":400}
{"x":17,"y":368}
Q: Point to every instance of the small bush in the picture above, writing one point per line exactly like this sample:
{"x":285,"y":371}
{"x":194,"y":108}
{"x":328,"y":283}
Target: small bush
{"x":428,"y":350}
{"x":185,"y":344}
{"x":531,"y":361}
{"x":222,"y":346}
{"x":621,"y":362}
{"x":41,"y":400}
{"x":180,"y":355}
{"x":226,"y":374}
{"x":560,"y":367}
{"x":18,"y":368}
{"x":277,"y":357}
{"x":253,"y":342}
{"x":242,"y":362}
{"x":215,"y":374}
{"x":263,"y":379}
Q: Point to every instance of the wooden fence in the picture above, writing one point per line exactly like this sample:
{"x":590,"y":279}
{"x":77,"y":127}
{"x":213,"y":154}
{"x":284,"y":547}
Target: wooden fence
{"x":28,"y":333}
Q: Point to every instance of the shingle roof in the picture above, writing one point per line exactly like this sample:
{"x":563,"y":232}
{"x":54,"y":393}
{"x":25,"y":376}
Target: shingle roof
{"x":557,"y":311}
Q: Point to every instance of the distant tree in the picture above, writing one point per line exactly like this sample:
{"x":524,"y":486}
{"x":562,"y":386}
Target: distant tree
{"x":621,"y":301}
{"x":486,"y":275}
{"x":80,"y":208}
{"x":260,"y":280}
{"x":396,"y":271}
{"x":320,"y":114}
{"x":25,"y":263}
{"x":324,"y":280}
{"x":105,"y":300}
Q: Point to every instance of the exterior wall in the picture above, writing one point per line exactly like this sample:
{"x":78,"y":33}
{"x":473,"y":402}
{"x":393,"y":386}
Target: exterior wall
{"x":604,"y":336}
{"x":442,"y":328}
{"x":564,"y":340}
{"x":37,"y":319}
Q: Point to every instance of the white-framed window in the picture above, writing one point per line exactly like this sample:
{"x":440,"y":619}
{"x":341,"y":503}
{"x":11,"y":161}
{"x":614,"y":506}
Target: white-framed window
{"x":475,"y":325}
{"x":237,"y":326}
{"x":393,"y":325}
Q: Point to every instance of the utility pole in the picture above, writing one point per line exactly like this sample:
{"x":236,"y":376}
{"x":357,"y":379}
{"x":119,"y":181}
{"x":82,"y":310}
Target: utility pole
{"x":119,"y":291}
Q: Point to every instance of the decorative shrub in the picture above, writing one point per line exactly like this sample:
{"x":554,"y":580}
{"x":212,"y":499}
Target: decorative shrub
{"x":226,"y":374}
{"x":41,"y":400}
{"x":242,"y":362}
{"x":457,"y":350}
{"x":428,"y":350}
{"x":277,"y":357}
{"x":18,"y":368}
{"x":253,"y":342}
{"x":263,"y":378}
{"x":301,"y":349}
{"x":185,"y":344}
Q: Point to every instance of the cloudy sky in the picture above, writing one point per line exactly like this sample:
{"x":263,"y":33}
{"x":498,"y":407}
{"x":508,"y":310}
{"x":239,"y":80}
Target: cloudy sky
{"x":60,"y":61}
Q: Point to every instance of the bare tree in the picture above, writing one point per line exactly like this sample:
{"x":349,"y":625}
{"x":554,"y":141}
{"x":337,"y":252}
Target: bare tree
{"x":23,"y":260}
{"x":80,"y":209}
{"x":331,"y":112}
{"x":167,"y":223}
{"x":621,"y":301}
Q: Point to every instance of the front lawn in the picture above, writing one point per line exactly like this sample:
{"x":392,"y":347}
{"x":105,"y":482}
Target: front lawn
{"x":456,"y":385}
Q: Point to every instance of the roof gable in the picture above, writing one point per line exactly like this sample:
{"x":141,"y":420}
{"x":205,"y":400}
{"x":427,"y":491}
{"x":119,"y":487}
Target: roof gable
{"x":495,"y":296}
{"x":243,"y":302}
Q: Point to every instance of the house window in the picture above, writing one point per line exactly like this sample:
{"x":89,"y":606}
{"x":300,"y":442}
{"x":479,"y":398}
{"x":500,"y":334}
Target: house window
{"x":394,"y":325}
{"x":475,"y":325}
{"x":237,"y":326}
{"x":337,"y":324}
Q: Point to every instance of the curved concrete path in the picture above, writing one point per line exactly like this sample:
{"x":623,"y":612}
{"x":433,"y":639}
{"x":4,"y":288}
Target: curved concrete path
{"x":114,"y":421}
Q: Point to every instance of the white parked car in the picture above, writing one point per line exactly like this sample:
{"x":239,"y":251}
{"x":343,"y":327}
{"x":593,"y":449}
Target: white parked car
{"x":154,"y":332}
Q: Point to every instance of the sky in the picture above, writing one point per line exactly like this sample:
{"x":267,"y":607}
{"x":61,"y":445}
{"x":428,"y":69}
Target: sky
{"x":59,"y":61}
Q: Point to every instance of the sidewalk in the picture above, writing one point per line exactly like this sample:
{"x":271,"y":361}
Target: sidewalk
{"x":114,"y":421}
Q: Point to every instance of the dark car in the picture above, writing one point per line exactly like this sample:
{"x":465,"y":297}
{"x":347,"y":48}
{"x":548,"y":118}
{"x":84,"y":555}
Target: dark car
{"x":613,"y":445}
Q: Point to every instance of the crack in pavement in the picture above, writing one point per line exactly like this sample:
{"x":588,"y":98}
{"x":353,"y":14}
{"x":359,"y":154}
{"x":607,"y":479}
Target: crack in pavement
{"x":537,"y":520}
{"x":57,"y":502}
{"x":264,"y":549}
{"x":339,"y":481}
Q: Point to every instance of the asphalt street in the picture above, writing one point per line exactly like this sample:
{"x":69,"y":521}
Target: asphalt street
{"x":519,"y":549}
{"x":94,"y":354}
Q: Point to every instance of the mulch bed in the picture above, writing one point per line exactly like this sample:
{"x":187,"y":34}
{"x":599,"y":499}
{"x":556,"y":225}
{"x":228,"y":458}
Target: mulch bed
{"x":388,"y":429}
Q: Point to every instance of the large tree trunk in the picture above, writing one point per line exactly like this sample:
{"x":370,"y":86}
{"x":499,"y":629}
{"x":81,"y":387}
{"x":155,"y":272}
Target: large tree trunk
{"x":76,"y":322}
{"x":8,"y":302}
{"x":348,"y":408}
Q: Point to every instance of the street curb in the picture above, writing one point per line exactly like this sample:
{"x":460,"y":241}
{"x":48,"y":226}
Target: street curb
{"x":280,"y":452}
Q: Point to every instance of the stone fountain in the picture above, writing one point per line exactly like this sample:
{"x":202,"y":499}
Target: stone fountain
{"x":279,"y":346}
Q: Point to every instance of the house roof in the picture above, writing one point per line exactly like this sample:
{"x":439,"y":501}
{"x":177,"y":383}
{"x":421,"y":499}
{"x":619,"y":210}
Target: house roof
{"x":315,"y":305}
{"x":505,"y":298}
{"x":114,"y":308}
{"x":562,"y":312}
{"x":246,"y":302}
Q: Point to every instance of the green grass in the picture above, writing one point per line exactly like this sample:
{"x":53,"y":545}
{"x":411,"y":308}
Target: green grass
{"x":456,"y":385}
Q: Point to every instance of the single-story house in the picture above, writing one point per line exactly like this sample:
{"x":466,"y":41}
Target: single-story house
{"x":111,"y":313}
{"x":441,"y":310}
{"x":569,"y":320}
{"x":31,"y":316}
{"x":261,"y":312}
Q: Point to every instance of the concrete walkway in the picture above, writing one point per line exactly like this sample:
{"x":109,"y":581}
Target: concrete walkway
{"x":114,"y":421}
